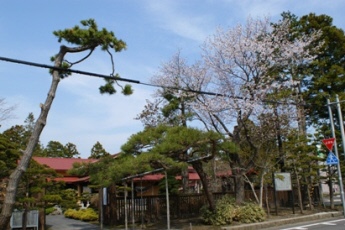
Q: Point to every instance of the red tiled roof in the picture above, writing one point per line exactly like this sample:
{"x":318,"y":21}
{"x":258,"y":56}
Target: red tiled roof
{"x":72,"y":179}
{"x":150,"y":177}
{"x":158,"y":177}
{"x":191,"y":176}
{"x":61,"y":163}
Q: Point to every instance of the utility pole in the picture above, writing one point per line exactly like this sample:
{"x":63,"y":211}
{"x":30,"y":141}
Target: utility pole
{"x":340,"y":180}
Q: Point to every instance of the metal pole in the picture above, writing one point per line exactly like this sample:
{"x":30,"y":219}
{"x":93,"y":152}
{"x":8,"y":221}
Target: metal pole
{"x":340,"y":180}
{"x":126,"y":207}
{"x":133,"y":220}
{"x":101,"y":206}
{"x":341,"y":123}
{"x":167,"y":198}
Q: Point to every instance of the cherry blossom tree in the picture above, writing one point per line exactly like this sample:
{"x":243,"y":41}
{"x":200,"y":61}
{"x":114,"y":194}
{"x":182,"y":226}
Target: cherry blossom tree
{"x":252,"y":67}
{"x":172,"y":104}
{"x":245,"y":72}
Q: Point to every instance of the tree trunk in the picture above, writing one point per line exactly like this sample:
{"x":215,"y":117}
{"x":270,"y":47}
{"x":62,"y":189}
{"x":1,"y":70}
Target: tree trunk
{"x":310,"y":199}
{"x":330,"y":186}
{"x":42,"y":219}
{"x":246,"y":179}
{"x":261,"y":194}
{"x":298,"y":190}
{"x":185,"y":180}
{"x":267,"y":201}
{"x":197,"y":165}
{"x":239,"y":187}
{"x":25,"y":217}
{"x":16,"y":175}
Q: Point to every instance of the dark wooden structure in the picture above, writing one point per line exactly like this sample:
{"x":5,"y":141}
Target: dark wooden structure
{"x":149,"y":209}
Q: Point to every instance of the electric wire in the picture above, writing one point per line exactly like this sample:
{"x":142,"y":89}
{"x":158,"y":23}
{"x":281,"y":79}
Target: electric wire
{"x":17,"y":61}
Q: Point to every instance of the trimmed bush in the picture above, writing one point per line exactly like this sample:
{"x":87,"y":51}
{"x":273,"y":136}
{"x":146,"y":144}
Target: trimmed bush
{"x":71,"y":213}
{"x":251,"y":213}
{"x":49,"y":210}
{"x":83,"y":214}
{"x":227,"y":211}
{"x":88,"y":215}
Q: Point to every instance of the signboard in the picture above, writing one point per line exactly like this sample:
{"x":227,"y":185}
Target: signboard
{"x":31,"y":219}
{"x":332,"y":159}
{"x":329,"y":143}
{"x":282,"y":181}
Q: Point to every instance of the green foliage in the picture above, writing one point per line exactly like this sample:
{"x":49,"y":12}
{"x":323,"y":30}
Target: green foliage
{"x":301,"y":156}
{"x":127,"y":90}
{"x":89,"y":37}
{"x":8,"y":156}
{"x":154,"y":148}
{"x":69,"y":199}
{"x":109,"y":88}
{"x":174,"y":141}
{"x":98,"y":151}
{"x":227,"y":211}
{"x":251,"y":213}
{"x":49,"y":210}
{"x":34,"y":182}
{"x":56,"y":149}
{"x":83,"y":214}
{"x":54,"y":199}
{"x":71,"y":213}
{"x":173,"y":185}
{"x":19,"y":135}
{"x":321,"y":78}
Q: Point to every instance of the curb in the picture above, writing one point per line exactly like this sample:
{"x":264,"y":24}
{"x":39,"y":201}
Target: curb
{"x":274,"y":223}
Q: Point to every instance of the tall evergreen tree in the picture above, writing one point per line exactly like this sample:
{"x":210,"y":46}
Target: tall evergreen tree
{"x":98,"y":151}
{"x":323,"y":77}
{"x":82,"y":39}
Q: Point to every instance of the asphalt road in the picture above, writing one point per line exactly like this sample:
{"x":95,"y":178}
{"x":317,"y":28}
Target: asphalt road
{"x":329,"y":224}
{"x":59,"y":222}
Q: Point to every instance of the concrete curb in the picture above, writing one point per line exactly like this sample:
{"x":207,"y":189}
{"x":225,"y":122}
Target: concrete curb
{"x":274,"y":223}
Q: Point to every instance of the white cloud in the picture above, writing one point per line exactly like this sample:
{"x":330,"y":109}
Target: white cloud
{"x":92,"y":116}
{"x":173,"y":17}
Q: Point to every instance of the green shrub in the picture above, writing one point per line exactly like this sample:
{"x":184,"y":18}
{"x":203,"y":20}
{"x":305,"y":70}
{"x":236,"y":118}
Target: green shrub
{"x":251,"y":213}
{"x":83,"y":214}
{"x":50,"y":210}
{"x":227,"y":211}
{"x":71,"y":213}
{"x":88,"y":215}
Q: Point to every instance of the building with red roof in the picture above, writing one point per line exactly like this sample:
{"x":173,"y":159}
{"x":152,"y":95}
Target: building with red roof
{"x":61,"y":166}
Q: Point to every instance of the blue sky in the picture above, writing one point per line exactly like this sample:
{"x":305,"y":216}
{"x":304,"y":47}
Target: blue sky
{"x":154,"y":31}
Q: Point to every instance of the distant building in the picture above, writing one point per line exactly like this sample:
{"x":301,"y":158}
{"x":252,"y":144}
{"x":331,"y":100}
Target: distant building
{"x":61,"y":166}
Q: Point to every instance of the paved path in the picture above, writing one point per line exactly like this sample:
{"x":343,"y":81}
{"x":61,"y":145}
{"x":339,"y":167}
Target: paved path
{"x":59,"y":222}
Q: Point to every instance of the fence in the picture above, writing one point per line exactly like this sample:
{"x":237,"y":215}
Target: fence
{"x":152,"y":208}
{"x":31,"y":219}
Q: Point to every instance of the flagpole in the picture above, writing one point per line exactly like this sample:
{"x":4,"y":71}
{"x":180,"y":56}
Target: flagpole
{"x":340,"y":180}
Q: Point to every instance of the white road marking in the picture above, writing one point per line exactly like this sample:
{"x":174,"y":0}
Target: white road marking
{"x":327,"y":223}
{"x":305,"y":227}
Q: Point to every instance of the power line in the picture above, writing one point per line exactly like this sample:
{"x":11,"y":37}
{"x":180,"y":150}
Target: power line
{"x":69,"y":70}
{"x":17,"y":61}
{"x":106,"y":76}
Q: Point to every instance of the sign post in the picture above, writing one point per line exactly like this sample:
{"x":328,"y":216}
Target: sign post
{"x":282,"y":182}
{"x":340,"y":180}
